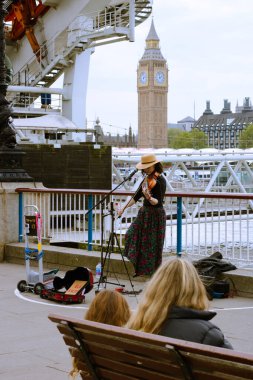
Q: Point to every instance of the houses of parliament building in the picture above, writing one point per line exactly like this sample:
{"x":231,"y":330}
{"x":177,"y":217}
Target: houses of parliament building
{"x":223,"y":130}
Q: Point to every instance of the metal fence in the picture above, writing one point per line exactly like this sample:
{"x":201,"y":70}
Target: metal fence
{"x":198,"y":224}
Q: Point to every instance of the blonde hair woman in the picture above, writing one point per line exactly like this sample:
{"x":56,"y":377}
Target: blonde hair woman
{"x":110,"y":307}
{"x":175,"y":304}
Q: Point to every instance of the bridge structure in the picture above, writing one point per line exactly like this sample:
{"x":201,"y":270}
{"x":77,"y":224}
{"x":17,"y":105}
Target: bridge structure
{"x":195,"y":170}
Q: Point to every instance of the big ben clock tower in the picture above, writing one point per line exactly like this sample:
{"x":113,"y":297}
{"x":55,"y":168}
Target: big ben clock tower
{"x":152,"y":85}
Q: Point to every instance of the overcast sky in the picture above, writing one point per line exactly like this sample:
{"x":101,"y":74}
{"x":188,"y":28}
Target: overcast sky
{"x":208,"y":48}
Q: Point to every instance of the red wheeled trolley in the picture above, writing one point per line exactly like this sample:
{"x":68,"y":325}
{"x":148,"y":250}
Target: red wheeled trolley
{"x":35,"y":281}
{"x":54,"y":295}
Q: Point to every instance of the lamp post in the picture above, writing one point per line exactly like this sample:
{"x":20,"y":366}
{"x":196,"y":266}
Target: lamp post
{"x":10,"y":157}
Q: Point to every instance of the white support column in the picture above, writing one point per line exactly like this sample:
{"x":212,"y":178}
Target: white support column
{"x":75,"y":90}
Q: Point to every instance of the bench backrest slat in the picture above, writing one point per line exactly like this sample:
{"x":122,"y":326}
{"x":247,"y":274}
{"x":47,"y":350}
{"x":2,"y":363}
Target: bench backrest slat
{"x":117,"y":353}
{"x":114,"y":357}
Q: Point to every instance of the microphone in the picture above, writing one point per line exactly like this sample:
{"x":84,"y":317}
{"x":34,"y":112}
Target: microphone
{"x":131,"y":175}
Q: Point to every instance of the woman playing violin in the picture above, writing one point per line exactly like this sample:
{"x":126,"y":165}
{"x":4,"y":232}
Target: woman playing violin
{"x":145,"y":236}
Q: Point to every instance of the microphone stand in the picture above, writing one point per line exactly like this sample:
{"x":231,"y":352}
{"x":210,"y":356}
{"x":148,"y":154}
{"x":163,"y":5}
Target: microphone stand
{"x":103,"y":279}
{"x":112,"y":191}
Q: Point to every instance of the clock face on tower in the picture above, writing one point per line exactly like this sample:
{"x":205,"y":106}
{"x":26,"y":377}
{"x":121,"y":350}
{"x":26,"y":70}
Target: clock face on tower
{"x":160,"y":77}
{"x":143,"y":77}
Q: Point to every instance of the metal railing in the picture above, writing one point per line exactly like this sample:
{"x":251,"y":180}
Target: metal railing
{"x":198,"y":224}
{"x":32,"y":102}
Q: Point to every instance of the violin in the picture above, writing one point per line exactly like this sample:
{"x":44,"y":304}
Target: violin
{"x":150,"y":180}
{"x":147,"y":185}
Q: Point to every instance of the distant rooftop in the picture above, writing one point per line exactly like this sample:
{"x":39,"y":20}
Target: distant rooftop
{"x":187,"y":119}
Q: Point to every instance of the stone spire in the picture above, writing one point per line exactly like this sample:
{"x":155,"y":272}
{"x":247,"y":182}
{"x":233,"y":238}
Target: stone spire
{"x":152,"y":49}
{"x":208,"y":110}
{"x":152,"y":35}
{"x":226,"y":108}
{"x":247,"y":105}
{"x":130,"y":134}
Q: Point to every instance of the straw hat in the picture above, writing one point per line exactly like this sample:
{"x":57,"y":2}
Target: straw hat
{"x":147,"y":161}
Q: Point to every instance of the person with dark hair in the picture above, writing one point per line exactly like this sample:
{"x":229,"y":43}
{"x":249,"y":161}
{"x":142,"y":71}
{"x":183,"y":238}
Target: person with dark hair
{"x":109,"y":307}
{"x":175,"y":304}
{"x":145,"y":237}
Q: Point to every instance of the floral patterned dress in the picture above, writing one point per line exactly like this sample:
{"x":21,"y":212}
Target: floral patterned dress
{"x":145,"y":236}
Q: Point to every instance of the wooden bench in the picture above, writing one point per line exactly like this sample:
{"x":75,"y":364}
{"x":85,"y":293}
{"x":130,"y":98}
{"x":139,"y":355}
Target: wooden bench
{"x":116,"y":353}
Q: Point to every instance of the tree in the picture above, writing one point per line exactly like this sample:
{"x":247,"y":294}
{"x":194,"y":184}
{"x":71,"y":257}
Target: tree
{"x":246,"y":137}
{"x":172,"y":136}
{"x":193,"y":139}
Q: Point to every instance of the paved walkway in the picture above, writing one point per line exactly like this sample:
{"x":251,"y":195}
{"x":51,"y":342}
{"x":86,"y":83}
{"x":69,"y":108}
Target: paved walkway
{"x":32,"y":349}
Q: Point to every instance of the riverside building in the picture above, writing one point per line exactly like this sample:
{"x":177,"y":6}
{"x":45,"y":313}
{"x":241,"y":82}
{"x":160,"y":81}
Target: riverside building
{"x":223,"y":130}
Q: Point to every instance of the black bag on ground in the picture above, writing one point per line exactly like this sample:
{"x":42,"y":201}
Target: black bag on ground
{"x":79,"y":273}
{"x":220,"y":289}
{"x":210,"y":269}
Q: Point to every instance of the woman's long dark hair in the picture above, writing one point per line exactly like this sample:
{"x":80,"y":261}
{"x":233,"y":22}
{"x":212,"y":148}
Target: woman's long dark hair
{"x":159,"y":167}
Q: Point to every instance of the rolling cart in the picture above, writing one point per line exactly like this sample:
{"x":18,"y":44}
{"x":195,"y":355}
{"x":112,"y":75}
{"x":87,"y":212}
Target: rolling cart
{"x":35,"y":281}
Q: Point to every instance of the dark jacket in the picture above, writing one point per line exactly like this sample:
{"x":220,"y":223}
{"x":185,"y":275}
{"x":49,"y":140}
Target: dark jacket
{"x":213,"y":265}
{"x":194,"y":326}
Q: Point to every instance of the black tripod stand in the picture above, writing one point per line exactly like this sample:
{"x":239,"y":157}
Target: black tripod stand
{"x":105,"y":259}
